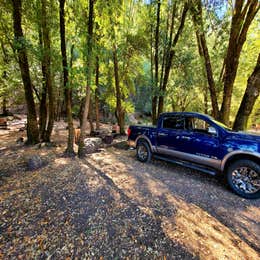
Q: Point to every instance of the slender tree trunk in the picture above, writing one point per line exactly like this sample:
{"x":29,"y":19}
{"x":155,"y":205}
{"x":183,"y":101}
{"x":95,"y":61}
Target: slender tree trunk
{"x":5,"y":112}
{"x":89,"y":74}
{"x":196,"y":10}
{"x":249,"y":98}
{"x":97,"y":95}
{"x":43,"y":98}
{"x":47,"y":64}
{"x":242,"y":17}
{"x":90,"y":116}
{"x":205,"y":90}
{"x":5,"y":77}
{"x":156,"y":65}
{"x":67,"y":87}
{"x":120,"y":112}
{"x":169,"y":58}
{"x":32,"y":125}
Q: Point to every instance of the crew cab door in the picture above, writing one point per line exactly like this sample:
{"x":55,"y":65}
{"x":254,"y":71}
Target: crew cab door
{"x":203,"y":142}
{"x":168,"y":135}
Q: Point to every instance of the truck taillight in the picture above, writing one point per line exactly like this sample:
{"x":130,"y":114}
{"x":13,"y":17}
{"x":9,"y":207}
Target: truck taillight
{"x":128,"y":132}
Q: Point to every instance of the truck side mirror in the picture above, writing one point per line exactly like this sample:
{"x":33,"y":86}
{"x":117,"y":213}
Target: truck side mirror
{"x":212,"y":130}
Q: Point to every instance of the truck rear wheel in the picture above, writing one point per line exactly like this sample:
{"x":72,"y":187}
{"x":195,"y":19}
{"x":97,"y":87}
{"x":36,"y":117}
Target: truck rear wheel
{"x":244,"y":178}
{"x":143,"y":151}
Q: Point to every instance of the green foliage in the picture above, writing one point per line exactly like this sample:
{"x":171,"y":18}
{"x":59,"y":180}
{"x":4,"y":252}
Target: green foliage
{"x":128,"y":26}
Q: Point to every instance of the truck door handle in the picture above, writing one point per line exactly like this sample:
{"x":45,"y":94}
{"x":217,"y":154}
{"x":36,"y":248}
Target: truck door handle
{"x":186,"y":138}
{"x":162,"y":134}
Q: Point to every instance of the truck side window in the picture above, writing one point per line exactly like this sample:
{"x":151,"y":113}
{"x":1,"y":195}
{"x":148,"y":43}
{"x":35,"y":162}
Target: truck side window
{"x":176,"y":123}
{"x":198,"y":125}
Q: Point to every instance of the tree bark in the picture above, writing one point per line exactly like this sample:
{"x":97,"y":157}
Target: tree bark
{"x":89,"y":74}
{"x":5,"y":112}
{"x":156,"y":65}
{"x":47,"y":64}
{"x":43,"y":98}
{"x":97,"y":95}
{"x":243,"y":15}
{"x":20,"y":45}
{"x":120,"y":112}
{"x":67,"y":88}
{"x":204,"y":53}
{"x":90,"y":116}
{"x":249,"y":98}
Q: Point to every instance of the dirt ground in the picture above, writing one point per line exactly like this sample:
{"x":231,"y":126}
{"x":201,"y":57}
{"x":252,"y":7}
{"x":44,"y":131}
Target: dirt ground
{"x":110,"y":206}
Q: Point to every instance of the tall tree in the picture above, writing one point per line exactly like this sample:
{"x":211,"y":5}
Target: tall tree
{"x":20,"y":46}
{"x":97,"y":95}
{"x":243,"y":15}
{"x":88,"y":76}
{"x":249,"y":98}
{"x":165,"y":41}
{"x":120,"y":111}
{"x":156,"y":64}
{"x":170,"y":52}
{"x":196,"y":10}
{"x":47,"y":64}
{"x":43,"y":97}
{"x":66,"y":85}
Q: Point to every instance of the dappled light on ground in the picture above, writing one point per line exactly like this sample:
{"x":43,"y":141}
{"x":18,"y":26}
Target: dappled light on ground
{"x":184,"y":222}
{"x":109,"y":204}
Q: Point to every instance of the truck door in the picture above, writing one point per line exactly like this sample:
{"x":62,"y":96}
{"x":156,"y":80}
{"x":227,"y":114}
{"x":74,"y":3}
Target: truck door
{"x":202,"y":141}
{"x":168,"y":135}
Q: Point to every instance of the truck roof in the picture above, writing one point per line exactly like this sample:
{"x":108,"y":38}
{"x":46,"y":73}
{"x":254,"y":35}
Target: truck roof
{"x":185,"y":114}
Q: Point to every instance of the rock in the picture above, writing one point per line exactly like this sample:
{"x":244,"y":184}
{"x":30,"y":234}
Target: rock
{"x":41,"y":145}
{"x":10,"y":118}
{"x":17,"y":117}
{"x":92,"y":144}
{"x":34,"y":162}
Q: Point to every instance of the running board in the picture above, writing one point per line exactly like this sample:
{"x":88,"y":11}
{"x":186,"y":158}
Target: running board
{"x":186,"y":164}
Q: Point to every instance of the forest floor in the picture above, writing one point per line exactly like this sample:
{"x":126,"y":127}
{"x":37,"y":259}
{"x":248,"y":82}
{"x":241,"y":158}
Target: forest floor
{"x":110,"y":206}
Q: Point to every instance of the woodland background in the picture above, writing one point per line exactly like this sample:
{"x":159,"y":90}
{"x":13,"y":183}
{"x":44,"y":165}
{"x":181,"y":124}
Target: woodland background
{"x":108,"y":59}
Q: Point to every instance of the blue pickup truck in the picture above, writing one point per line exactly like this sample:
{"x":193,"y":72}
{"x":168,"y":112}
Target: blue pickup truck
{"x":200,"y":142}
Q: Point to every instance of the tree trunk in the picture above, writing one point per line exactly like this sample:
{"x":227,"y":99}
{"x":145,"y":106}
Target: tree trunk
{"x":32,"y":125}
{"x":43,"y":99}
{"x":5,"y":112}
{"x":170,"y":55}
{"x":156,"y":65}
{"x":242,"y":17}
{"x":204,"y":53}
{"x":249,"y":98}
{"x":120,"y":112}
{"x":67,"y":87}
{"x":47,"y":64}
{"x":90,"y":116}
{"x":89,"y":74}
{"x":205,"y":90}
{"x":97,"y":95}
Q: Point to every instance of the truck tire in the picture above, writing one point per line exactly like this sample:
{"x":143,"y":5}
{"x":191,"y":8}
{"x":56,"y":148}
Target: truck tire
{"x":243,"y":178}
{"x":143,"y":151}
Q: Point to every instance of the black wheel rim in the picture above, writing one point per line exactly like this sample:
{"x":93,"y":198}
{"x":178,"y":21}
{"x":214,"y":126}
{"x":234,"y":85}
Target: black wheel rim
{"x":246,"y":180}
{"x":142,"y":152}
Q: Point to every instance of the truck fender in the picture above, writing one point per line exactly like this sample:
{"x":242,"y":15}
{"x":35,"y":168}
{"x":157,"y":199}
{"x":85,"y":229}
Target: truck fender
{"x":147,"y":140}
{"x":236,"y":153}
